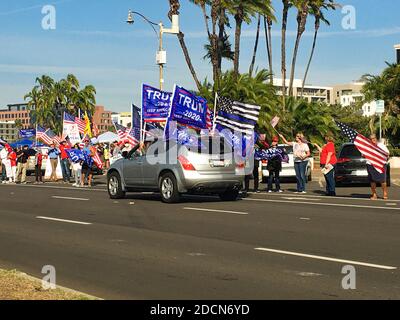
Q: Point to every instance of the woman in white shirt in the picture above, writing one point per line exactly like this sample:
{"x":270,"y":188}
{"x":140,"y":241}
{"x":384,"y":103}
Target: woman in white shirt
{"x":301,"y":153}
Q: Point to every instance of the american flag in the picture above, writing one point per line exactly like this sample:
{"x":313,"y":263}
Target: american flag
{"x":42,"y":134}
{"x":275,"y":121}
{"x":237,"y":116}
{"x":121,"y":131}
{"x":132,"y":136}
{"x":97,"y":160}
{"x":209,"y":118}
{"x":81,"y":125}
{"x":69,"y":119}
{"x":375,"y":155}
{"x":52,"y":136}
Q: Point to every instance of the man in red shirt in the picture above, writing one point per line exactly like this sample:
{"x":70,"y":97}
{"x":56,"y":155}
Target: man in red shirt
{"x":328,"y":161}
{"x":65,"y":165}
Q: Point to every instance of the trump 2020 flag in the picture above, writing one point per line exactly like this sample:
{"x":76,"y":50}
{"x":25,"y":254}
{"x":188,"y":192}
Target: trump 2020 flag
{"x":188,"y":109}
{"x":27,"y":133}
{"x":156,"y":104}
{"x":75,"y":155}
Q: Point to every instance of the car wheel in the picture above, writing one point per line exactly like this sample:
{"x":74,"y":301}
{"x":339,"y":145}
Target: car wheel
{"x":169,"y":188}
{"x":230,"y":195}
{"x":114,"y":186}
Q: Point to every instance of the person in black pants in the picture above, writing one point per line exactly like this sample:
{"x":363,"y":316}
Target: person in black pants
{"x":274,"y":165}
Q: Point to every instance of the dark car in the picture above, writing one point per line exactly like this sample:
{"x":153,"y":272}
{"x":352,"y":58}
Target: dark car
{"x":351,"y":167}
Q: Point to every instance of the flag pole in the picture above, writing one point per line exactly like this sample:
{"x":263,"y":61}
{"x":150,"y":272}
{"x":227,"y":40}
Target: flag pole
{"x":215,"y":110}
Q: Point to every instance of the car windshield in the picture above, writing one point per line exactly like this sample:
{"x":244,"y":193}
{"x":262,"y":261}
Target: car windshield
{"x":210,"y":145}
{"x":287,"y":149}
{"x":350,"y":151}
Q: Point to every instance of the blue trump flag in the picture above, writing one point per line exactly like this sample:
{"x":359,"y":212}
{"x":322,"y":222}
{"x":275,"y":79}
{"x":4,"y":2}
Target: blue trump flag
{"x":75,"y":155}
{"x":156,"y":104}
{"x":187,"y":109}
{"x":27,"y":133}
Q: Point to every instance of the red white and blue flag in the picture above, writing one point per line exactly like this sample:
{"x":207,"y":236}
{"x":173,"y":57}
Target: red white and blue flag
{"x":375,"y":155}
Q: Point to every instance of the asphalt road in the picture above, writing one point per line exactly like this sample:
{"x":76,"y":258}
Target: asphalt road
{"x":268,"y":246}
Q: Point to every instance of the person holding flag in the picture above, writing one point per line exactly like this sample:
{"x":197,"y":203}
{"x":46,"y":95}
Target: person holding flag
{"x":377,"y":155}
{"x":301,"y":154}
{"x":374,"y":175}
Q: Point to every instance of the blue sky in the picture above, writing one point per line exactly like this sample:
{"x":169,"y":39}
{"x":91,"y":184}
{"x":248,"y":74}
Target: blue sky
{"x":92,"y":41}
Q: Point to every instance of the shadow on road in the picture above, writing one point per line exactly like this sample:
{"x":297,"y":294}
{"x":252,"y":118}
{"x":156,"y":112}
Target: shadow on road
{"x":184,"y":198}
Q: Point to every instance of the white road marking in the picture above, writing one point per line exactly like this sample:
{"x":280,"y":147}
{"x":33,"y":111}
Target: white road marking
{"x":69,"y":198}
{"x":310,"y":256}
{"x":324,"y":204}
{"x":305,"y":219}
{"x":54,"y":187}
{"x":215,"y":210}
{"x":306,"y":199}
{"x":63,"y":220}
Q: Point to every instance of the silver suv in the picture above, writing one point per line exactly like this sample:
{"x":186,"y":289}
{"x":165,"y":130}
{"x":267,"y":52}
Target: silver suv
{"x":177,"y":169}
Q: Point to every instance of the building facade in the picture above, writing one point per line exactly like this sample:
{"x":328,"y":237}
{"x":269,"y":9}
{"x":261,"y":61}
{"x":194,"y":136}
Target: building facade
{"x":348,"y":94}
{"x":17,"y":113}
{"x":102,"y":119}
{"x":397,"y":48}
{"x":8,"y":131}
{"x":123,"y":118}
{"x":311,"y":93}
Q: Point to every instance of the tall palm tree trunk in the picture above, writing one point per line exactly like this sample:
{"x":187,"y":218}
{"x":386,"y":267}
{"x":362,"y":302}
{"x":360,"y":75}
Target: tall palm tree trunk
{"x":253,"y":61}
{"x":283,"y":50}
{"x":238,"y":32}
{"x":301,"y":26}
{"x":317,"y":24}
{"x":268,"y":40}
{"x":174,"y":10}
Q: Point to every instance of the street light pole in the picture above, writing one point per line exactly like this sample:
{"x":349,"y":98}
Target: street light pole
{"x":161,"y":56}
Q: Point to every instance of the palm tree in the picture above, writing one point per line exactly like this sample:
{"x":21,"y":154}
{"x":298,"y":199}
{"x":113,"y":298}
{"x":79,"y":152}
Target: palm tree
{"x":268,"y":20}
{"x":243,"y":11}
{"x":253,"y":60}
{"x":268,"y":39}
{"x":316,"y":8}
{"x":174,"y":10}
{"x":285,"y":12}
{"x":302,"y":15}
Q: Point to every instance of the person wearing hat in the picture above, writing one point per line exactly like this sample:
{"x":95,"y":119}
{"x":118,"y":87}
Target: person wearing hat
{"x":274,"y":165}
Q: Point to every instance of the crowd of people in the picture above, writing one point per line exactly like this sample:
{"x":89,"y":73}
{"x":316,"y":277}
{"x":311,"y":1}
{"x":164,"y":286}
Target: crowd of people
{"x":301,"y":156}
{"x":14,"y":163}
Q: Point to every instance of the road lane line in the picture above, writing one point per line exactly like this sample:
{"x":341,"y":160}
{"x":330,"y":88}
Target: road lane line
{"x":215,"y":210}
{"x":63,"y":220}
{"x":69,"y":198}
{"x":310,"y":256}
{"x":324,"y":204}
{"x":306,"y":199}
{"x":54,"y":187}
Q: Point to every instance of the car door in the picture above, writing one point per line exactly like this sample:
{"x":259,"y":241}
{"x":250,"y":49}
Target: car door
{"x":133,"y":171}
{"x":151,"y":168}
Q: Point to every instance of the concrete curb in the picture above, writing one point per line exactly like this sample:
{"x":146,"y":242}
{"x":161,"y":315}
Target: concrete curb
{"x":32,"y":278}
